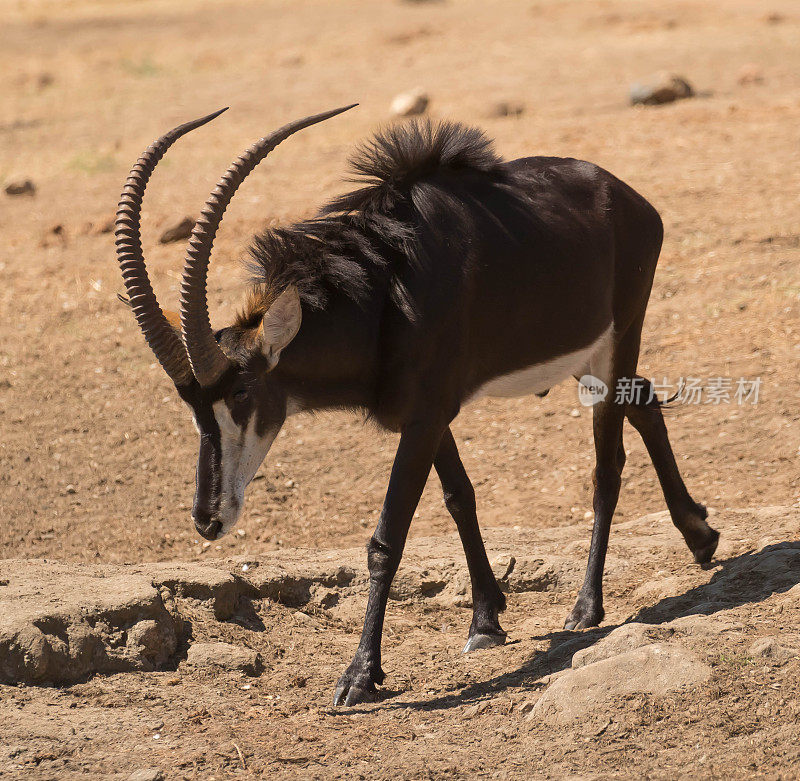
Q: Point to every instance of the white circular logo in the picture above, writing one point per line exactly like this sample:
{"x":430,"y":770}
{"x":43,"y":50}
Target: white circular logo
{"x":591,"y":390}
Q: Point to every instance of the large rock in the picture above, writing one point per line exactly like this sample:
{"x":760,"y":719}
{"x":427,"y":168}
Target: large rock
{"x":60,"y":623}
{"x":225,"y":656}
{"x":625,"y":638}
{"x":654,"y":669}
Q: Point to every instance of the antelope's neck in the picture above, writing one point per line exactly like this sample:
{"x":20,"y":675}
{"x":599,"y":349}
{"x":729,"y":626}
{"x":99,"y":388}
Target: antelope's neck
{"x":332,"y":362}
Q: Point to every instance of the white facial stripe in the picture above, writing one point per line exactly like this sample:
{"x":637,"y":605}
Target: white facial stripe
{"x":243,"y":450}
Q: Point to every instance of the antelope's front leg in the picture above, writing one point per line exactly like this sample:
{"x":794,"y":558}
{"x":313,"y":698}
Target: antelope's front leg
{"x":418,"y":445}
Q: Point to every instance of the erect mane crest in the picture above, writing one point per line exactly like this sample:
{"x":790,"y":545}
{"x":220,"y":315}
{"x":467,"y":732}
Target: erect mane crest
{"x":348,"y":245}
{"x":399,"y":156}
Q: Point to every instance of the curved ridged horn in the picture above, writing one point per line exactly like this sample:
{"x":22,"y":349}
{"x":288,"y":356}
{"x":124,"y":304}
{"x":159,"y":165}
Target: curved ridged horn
{"x":208,"y":360}
{"x":160,"y":335}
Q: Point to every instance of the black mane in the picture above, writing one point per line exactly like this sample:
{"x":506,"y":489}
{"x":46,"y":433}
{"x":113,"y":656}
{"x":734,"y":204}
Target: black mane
{"x":364,"y":237}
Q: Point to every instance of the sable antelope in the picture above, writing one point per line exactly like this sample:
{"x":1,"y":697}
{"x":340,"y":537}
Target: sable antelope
{"x":448,"y":275}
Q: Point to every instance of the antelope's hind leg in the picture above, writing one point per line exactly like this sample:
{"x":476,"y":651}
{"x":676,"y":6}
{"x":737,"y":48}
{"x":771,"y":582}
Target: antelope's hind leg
{"x":607,"y":479}
{"x":459,"y":497}
{"x":688,"y":516}
{"x":607,"y":419}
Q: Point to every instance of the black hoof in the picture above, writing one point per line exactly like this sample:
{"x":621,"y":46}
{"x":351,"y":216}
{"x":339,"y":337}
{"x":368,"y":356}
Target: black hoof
{"x":704,"y":553}
{"x":584,"y":616}
{"x":358,"y":685}
{"x":480,"y":641}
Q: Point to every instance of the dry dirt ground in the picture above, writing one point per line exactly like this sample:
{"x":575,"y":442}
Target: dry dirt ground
{"x":96,"y":452}
{"x":694,"y":673}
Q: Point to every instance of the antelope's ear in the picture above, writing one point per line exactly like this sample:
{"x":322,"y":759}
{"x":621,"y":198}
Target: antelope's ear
{"x":280,"y":324}
{"x":174,"y":319}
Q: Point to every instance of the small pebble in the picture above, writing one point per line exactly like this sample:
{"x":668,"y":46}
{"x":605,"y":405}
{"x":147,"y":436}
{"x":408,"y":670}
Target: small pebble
{"x":661,"y":88}
{"x":505,"y":108}
{"x":179,"y":231}
{"x":409,"y":104}
{"x":21,"y":187}
{"x":146,"y":774}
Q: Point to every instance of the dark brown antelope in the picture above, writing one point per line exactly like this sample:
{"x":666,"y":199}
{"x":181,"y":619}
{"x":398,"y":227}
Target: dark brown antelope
{"x":448,"y":275}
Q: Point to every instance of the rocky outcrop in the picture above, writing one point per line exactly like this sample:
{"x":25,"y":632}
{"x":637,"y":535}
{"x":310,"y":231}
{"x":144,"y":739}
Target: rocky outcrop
{"x":60,"y":623}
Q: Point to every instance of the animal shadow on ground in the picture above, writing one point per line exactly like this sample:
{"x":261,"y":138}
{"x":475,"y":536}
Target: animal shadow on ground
{"x":739,"y":580}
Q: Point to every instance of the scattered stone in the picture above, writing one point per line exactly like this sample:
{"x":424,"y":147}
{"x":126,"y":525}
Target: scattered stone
{"x":526,"y":706}
{"x":750,"y":74}
{"x":225,"y":656}
{"x":21,"y":187}
{"x":326,"y":597}
{"x":505,"y":108}
{"x":410,"y":104}
{"x":407,"y":36}
{"x":662,"y":88}
{"x":502,"y":565}
{"x":654,"y":669}
{"x":146,"y":774}
{"x":476,"y":709}
{"x":105,"y":226}
{"x":179,"y":231}
{"x":306,"y":619}
{"x":290,"y":60}
{"x":770,"y":648}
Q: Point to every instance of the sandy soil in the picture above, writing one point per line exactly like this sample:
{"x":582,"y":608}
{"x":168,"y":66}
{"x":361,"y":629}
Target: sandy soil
{"x":97,"y":453}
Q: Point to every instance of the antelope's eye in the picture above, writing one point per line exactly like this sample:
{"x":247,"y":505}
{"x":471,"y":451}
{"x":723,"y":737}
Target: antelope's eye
{"x":240,"y":396}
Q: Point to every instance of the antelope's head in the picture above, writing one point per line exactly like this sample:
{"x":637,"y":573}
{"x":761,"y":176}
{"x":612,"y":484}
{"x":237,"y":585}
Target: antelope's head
{"x":224,"y":377}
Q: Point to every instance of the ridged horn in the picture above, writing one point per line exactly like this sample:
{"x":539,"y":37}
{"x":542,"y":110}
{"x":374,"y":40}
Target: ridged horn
{"x":208,"y":360}
{"x":160,"y":335}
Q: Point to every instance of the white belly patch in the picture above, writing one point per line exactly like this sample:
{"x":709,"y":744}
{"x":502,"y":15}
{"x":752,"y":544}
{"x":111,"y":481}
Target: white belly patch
{"x":594,"y":359}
